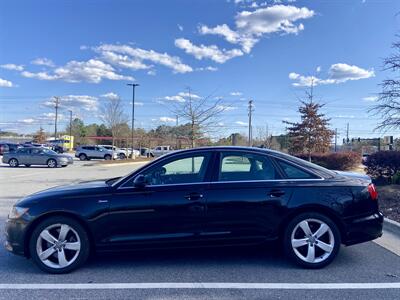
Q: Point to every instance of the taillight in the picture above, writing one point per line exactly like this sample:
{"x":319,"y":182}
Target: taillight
{"x":372,"y":191}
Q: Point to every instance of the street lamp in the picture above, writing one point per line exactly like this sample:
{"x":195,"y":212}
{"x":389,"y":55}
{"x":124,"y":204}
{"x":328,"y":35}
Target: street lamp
{"x":133,"y":85}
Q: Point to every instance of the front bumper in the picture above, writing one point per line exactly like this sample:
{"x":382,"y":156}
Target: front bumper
{"x":14,"y":233}
{"x":363,"y":229}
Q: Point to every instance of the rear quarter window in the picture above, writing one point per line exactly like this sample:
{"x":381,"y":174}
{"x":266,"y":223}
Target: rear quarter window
{"x":293,"y":172}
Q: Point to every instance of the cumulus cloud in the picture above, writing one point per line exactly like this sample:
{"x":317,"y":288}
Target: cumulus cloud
{"x":167,"y":119}
{"x":93,"y":71}
{"x":338,"y":73}
{"x":124,"y":54}
{"x":85,"y":102}
{"x":251,"y":26}
{"x":181,"y":97}
{"x":44,"y":118}
{"x":236,"y":94}
{"x":43,"y":62}
{"x":241,"y":123}
{"x":12,"y":67}
{"x":210,"y":52}
{"x":5,"y":83}
{"x":110,"y":95}
{"x":209,"y":68}
{"x":370,"y":98}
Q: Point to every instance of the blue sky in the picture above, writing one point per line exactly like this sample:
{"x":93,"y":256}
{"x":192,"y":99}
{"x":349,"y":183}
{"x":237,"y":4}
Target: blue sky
{"x":86,"y":51}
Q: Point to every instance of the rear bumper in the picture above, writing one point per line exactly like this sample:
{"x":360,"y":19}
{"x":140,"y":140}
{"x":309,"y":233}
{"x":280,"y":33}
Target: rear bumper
{"x":363,"y":229}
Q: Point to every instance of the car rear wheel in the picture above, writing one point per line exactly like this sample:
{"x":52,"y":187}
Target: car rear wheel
{"x":59,"y":245}
{"x":122,"y":156}
{"x":51,"y":163}
{"x":82,"y":157}
{"x":312,"y":240}
{"x":13,"y":162}
{"x":107,"y":157}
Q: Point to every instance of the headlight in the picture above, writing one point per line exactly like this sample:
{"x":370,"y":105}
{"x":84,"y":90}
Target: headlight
{"x":16,"y":212}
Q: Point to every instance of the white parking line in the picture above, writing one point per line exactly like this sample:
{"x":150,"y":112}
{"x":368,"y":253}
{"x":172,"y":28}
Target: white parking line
{"x":200,"y":285}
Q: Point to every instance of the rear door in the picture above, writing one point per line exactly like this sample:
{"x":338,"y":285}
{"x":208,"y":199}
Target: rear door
{"x":246,"y":198}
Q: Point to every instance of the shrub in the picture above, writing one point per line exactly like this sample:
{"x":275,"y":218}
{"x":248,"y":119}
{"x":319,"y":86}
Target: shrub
{"x":341,"y":161}
{"x":384,"y":166}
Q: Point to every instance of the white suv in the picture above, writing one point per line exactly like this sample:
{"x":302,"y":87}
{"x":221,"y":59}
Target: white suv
{"x":89,"y":152}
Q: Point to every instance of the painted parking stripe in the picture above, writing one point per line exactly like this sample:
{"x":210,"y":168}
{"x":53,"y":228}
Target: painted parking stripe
{"x":200,"y":285}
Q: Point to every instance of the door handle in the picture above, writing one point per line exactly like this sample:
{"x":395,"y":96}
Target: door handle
{"x":194,"y":196}
{"x":276,"y":193}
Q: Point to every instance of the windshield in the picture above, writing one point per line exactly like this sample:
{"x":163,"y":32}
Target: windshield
{"x":48,"y":151}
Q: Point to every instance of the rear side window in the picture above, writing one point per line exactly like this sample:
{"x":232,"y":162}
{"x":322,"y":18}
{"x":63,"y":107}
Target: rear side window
{"x":293,"y":172}
{"x":244,"y":167}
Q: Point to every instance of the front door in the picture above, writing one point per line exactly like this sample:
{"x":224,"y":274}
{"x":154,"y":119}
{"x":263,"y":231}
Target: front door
{"x":169,"y":209}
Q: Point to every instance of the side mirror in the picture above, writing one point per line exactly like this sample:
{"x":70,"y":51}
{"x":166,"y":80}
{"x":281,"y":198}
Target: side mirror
{"x":140,"y":181}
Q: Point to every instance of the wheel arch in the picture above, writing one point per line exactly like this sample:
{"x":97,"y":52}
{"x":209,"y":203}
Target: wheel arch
{"x":45,"y":216}
{"x":326,"y":211}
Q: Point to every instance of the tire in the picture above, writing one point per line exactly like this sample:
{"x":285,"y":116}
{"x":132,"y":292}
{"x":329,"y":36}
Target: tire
{"x":27,"y":165}
{"x":52,"y":163}
{"x":305,"y":249}
{"x":122,"y":156}
{"x":73,"y":250}
{"x":107,"y":157}
{"x":13,"y":162}
{"x":82,"y":156}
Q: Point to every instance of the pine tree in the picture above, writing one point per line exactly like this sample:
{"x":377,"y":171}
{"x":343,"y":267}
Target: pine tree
{"x":312,"y":133}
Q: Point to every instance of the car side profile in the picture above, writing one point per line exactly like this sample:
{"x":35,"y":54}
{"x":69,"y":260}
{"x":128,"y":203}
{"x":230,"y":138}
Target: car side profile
{"x":29,"y":156}
{"x":200,"y":197}
{"x":95,"y":152}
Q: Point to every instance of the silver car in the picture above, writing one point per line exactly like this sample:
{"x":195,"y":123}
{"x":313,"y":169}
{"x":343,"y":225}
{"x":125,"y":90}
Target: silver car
{"x":37,"y":156}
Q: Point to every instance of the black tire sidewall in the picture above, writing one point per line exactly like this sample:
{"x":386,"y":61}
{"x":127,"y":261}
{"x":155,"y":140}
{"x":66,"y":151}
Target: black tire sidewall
{"x":287,"y":243}
{"x":85,"y":244}
{"x":82,"y":157}
{"x":107,"y":157}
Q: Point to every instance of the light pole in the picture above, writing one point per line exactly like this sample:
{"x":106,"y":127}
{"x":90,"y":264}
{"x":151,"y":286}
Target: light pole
{"x":133,"y":85}
{"x":70,"y":130}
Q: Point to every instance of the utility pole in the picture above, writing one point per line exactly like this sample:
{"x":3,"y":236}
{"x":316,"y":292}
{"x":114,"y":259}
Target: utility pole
{"x":335,"y":139}
{"x":347,"y":133}
{"x":176,"y":130}
{"x":57,"y":103}
{"x":70,"y":130}
{"x":250,"y":142}
{"x":133,"y":85}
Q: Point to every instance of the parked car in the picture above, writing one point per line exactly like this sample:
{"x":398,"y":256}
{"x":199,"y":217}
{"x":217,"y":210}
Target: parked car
{"x":89,"y":152}
{"x":146,"y":152}
{"x":8,"y":147}
{"x":200,"y":197}
{"x":123,"y":153}
{"x":136,"y":152}
{"x":36,"y":156}
{"x":161,"y":150}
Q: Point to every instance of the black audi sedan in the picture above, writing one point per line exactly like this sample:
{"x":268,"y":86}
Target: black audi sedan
{"x":200,"y":197}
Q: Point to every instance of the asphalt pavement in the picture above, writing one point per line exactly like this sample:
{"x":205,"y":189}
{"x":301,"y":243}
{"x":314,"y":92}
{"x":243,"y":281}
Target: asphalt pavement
{"x":362,"y":271}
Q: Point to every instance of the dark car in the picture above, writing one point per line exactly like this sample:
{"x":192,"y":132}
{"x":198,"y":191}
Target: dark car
{"x":29,"y":156}
{"x":200,"y":197}
{"x":8,"y":147}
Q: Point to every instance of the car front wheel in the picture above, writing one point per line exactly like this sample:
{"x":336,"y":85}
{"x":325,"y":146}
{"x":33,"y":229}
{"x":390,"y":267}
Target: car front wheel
{"x":13,"y":162}
{"x":82,"y":157}
{"x":59,"y":245}
{"x":312,"y":240}
{"x":107,"y":157}
{"x":51,"y":163}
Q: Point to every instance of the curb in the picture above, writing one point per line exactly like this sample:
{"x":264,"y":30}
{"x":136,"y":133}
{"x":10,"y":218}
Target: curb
{"x":391,"y":226}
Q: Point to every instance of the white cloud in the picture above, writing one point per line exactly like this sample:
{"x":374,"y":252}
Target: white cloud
{"x":318,"y":69}
{"x":180,"y":27}
{"x":123,"y":61}
{"x":167,"y":119}
{"x":12,"y":67}
{"x":139,"y":55}
{"x":236,"y":94}
{"x":210,"y":52}
{"x":345,"y":116}
{"x":110,"y":95}
{"x":370,"y":98}
{"x":43,"y":62}
{"x":93,"y":71}
{"x":209,"y":68}
{"x":181,"y":97}
{"x":5,"y":83}
{"x":46,"y":118}
{"x":241,"y":123}
{"x":225,"y":107}
{"x":85,"y":102}
{"x":338,"y":73}
{"x":27,"y":121}
{"x":251,"y":26}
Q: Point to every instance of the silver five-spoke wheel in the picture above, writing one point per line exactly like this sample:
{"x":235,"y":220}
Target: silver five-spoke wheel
{"x":312,"y":240}
{"x":58,"y":246}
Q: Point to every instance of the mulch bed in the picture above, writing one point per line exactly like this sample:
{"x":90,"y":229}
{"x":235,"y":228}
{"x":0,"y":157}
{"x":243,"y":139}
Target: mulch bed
{"x":389,"y":201}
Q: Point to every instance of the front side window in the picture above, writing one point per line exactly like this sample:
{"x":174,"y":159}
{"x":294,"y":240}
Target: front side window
{"x":293,"y":172}
{"x":183,"y":170}
{"x":242,"y":167}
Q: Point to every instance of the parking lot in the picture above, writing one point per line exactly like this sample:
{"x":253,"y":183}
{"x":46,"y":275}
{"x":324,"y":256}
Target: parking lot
{"x":365,"y":270}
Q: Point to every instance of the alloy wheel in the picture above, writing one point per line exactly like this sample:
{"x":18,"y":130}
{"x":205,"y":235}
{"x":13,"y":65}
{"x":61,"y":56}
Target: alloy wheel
{"x":58,"y":246}
{"x":312,"y":241}
{"x":51,"y":163}
{"x":13,"y":162}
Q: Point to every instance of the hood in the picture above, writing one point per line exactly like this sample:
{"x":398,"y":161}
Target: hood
{"x":353,"y":175}
{"x":82,"y":188}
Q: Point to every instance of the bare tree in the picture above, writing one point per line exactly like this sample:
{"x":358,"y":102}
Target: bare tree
{"x":388,"y":102}
{"x":202,"y":114}
{"x":112,"y":114}
{"x":264,"y":137}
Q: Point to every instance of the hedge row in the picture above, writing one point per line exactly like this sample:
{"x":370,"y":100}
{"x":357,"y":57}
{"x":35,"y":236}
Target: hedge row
{"x":341,"y":161}
{"x":384,"y":166}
